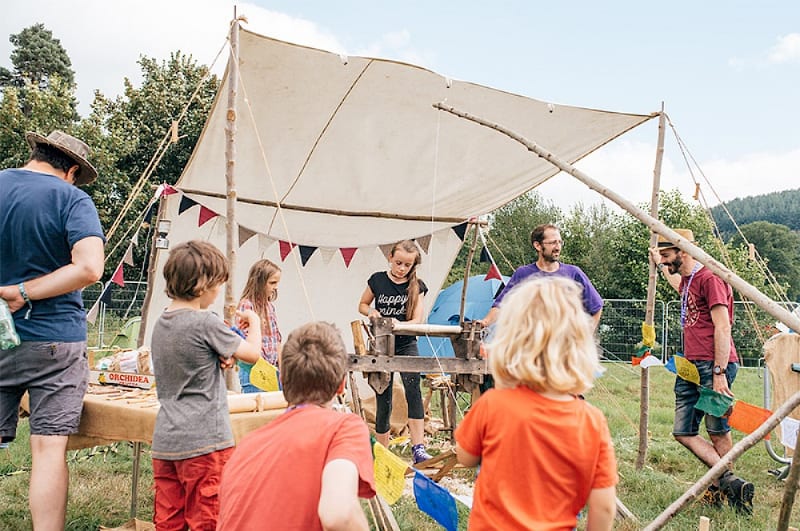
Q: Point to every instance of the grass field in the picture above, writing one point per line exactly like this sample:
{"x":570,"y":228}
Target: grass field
{"x":100,"y":477}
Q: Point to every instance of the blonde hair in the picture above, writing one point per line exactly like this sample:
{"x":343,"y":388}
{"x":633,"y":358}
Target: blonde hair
{"x":413,"y":282}
{"x":545,"y":339}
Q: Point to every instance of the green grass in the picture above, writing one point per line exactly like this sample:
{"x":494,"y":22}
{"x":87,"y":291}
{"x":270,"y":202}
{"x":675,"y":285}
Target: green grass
{"x":100,"y":478}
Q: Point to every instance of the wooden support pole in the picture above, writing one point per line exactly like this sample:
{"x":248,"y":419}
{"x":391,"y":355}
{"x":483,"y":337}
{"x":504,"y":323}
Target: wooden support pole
{"x":644,"y":383}
{"x":749,"y":291}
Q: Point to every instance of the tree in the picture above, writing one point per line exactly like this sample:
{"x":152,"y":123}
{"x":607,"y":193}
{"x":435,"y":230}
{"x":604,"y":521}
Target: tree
{"x":779,"y":246}
{"x":128,"y":130}
{"x":509,"y":235}
{"x":587,"y":232}
{"x":37,"y":58}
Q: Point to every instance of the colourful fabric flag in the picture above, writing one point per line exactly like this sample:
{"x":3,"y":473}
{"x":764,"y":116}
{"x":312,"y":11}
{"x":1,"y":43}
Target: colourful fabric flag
{"x":390,"y":473}
{"x":347,"y":254}
{"x":435,"y":501}
{"x":636,"y":361}
{"x":264,"y":375}
{"x":648,"y":335}
{"x":670,"y":366}
{"x":650,"y":361}
{"x":205,"y":215}
{"x":118,"y":277}
{"x":493,"y":272}
{"x":747,"y":417}
{"x":687,"y":370}
{"x":713,"y":403}
{"x":789,"y":428}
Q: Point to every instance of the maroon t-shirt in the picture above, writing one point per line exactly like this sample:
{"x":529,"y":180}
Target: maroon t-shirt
{"x":705,"y":291}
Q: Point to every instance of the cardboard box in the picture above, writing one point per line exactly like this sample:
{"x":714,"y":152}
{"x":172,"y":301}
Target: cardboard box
{"x":127,"y":379}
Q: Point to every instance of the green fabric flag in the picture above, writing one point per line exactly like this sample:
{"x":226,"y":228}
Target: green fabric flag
{"x":713,"y":403}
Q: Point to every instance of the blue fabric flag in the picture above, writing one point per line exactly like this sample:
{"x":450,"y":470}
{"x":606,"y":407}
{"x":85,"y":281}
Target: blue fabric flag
{"x":670,"y":366}
{"x":435,"y":501}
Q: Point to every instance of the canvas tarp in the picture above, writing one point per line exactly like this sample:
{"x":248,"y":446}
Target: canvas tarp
{"x":357,"y":157}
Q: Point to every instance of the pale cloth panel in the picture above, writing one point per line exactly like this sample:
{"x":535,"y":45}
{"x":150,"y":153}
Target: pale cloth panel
{"x":780,"y":352}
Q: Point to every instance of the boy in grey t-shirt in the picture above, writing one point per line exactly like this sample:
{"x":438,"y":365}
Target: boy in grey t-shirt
{"x":191,"y":345}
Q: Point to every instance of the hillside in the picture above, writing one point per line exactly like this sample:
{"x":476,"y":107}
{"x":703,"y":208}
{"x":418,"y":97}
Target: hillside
{"x":782,"y":208}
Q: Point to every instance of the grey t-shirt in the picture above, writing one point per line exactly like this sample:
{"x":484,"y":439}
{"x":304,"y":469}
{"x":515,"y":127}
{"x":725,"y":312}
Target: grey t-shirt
{"x":193,"y":419}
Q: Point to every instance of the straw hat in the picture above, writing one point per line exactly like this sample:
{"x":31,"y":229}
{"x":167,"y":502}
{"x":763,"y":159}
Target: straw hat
{"x":75,"y":149}
{"x":664,"y":243}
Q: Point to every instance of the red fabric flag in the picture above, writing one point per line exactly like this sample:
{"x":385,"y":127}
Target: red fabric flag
{"x":168,"y":190}
{"x":205,"y":215}
{"x":286,"y":248}
{"x":347,"y":254}
{"x":493,"y":273}
{"x":636,"y":361}
{"x":118,"y":277}
{"x":747,"y":417}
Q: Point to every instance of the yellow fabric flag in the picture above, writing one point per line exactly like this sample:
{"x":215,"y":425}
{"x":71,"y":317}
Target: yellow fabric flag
{"x":648,"y":335}
{"x":390,"y":473}
{"x":264,"y":376}
{"x":686,"y":370}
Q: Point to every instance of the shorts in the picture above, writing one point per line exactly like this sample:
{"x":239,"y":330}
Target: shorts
{"x":687,"y":418}
{"x":55,"y":375}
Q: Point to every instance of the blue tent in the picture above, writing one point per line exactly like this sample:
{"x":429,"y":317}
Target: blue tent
{"x":480,"y":296}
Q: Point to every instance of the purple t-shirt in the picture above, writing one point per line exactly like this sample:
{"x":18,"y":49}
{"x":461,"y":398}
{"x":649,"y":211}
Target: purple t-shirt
{"x":592,"y":302}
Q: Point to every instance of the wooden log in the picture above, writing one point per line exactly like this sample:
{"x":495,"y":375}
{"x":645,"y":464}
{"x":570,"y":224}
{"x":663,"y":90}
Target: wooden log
{"x":422,"y":329}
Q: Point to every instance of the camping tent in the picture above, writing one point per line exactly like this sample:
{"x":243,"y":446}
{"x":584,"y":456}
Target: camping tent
{"x":338,"y":157}
{"x":480,"y":295}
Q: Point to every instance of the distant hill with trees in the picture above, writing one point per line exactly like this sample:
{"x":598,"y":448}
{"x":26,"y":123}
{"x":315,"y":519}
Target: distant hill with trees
{"x":781,"y":208}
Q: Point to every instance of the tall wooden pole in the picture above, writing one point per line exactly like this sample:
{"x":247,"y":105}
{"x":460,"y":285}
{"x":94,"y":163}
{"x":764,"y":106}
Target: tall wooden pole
{"x":230,"y":183}
{"x":644,"y":387}
{"x":762,"y":301}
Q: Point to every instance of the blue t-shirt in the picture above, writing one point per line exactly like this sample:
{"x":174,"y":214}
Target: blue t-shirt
{"x":592,"y":302}
{"x":41,"y":218}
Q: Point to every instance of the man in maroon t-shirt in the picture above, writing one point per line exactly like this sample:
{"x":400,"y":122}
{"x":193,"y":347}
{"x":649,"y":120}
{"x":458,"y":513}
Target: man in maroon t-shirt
{"x":706,"y":319}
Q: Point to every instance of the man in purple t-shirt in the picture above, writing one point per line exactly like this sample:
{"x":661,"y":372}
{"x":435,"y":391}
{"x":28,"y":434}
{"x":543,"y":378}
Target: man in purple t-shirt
{"x":546,"y":241}
{"x":706,"y":319}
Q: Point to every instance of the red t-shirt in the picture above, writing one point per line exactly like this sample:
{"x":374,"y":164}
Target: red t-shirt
{"x":274,"y":478}
{"x":540,"y":459}
{"x":705,"y":291}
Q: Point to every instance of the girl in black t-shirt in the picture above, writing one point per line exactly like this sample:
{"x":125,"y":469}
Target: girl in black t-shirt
{"x":398,"y":293}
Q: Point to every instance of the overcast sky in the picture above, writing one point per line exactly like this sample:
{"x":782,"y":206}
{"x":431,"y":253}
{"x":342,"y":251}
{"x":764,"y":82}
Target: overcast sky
{"x":728,"y":72}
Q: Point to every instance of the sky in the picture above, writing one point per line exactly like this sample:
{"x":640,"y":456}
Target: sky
{"x":727,"y":72}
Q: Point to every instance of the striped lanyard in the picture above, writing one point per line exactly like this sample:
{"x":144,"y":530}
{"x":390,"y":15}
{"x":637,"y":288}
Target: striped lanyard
{"x":685,"y":295}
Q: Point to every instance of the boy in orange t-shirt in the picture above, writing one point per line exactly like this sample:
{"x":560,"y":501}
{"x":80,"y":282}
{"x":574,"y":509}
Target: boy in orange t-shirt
{"x":307,"y":468}
{"x":544,"y":451}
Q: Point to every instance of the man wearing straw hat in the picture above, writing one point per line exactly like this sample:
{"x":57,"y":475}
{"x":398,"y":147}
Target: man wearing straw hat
{"x":706,"y":319}
{"x":51,"y":247}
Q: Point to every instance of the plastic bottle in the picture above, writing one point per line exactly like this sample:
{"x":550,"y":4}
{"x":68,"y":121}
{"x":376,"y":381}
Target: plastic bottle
{"x":8,"y":332}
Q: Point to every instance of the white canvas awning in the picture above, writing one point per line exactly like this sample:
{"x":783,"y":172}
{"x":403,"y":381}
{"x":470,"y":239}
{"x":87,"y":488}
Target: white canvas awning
{"x":357,"y":157}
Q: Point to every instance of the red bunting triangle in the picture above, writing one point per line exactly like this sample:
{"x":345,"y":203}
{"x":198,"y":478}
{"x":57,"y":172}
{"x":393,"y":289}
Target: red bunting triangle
{"x":205,"y":215}
{"x":168,"y":190}
{"x":347,"y":254}
{"x":286,"y":248}
{"x":118,"y":277}
{"x":493,"y":273}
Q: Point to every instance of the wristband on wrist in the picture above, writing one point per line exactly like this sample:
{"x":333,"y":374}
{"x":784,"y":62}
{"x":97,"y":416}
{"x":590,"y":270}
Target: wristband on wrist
{"x":25,"y":298}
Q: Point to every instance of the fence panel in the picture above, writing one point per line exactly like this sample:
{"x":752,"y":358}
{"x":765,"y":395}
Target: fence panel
{"x":620,"y":329}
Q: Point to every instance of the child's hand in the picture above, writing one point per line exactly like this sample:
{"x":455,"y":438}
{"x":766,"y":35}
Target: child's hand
{"x":251,"y":317}
{"x":226,"y":363}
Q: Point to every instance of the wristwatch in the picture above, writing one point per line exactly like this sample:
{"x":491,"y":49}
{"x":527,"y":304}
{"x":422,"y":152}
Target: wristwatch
{"x":719,"y":369}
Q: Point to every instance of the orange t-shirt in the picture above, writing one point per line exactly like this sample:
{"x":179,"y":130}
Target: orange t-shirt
{"x":274,"y":477}
{"x":540,"y":458}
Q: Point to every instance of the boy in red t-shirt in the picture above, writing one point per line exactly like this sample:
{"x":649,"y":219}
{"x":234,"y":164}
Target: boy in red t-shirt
{"x":306,"y":469}
{"x":543,"y":357}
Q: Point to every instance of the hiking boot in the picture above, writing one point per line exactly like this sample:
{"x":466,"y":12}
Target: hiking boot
{"x":739,"y":493}
{"x":419,"y":453}
{"x":713,"y":497}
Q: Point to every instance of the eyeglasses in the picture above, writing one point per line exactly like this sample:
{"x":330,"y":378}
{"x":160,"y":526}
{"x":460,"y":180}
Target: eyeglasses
{"x":553,"y":242}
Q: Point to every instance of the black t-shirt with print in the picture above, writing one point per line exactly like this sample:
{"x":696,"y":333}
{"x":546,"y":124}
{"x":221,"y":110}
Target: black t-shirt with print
{"x":391,"y":299}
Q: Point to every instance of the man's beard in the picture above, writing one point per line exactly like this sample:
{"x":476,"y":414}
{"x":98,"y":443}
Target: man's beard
{"x":675,"y":265}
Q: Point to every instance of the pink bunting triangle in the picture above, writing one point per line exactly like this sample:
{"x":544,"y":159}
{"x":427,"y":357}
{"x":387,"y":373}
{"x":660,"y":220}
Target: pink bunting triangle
{"x":493,"y":273}
{"x":205,"y":215}
{"x":286,"y":248}
{"x":347,"y":254}
{"x":118,"y":277}
{"x":128,"y":258}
